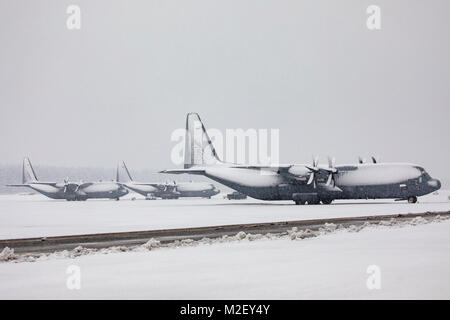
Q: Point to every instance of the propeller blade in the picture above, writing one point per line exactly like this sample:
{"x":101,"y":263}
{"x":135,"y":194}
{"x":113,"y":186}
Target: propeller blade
{"x":330,"y":179}
{"x":331,"y":162}
{"x":311,"y":178}
{"x":315,"y":161}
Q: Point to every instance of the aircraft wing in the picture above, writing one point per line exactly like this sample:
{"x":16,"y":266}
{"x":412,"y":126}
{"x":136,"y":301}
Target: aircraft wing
{"x":180,"y":171}
{"x":17,"y":185}
{"x":199,"y":170}
{"x":46,"y":183}
{"x":255,"y":167}
{"x":152,"y":184}
{"x":84,"y":185}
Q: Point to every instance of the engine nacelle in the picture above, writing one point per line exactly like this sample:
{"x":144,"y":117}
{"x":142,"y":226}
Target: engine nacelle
{"x":299,"y":171}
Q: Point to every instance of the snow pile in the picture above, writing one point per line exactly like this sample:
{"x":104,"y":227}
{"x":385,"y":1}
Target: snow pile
{"x":419,"y":220}
{"x":8,"y":255}
{"x":151,"y":244}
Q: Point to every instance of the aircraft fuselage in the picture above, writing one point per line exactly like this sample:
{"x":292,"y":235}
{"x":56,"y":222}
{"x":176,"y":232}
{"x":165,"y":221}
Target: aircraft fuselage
{"x":360,"y":181}
{"x":97,"y":190}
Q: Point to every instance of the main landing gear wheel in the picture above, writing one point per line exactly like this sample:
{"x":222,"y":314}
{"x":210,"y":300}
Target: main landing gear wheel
{"x":298,"y":202}
{"x":327,"y":201}
{"x":412,"y":199}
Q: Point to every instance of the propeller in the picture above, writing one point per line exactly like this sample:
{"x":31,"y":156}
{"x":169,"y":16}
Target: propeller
{"x":331,"y":172}
{"x":78,"y":186}
{"x":362,"y":160}
{"x":314,"y":169}
{"x":66,"y":182}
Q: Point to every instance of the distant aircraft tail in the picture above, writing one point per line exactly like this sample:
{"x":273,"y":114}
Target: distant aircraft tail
{"x":122,"y":168}
{"x":199,"y":149}
{"x":28,"y":173}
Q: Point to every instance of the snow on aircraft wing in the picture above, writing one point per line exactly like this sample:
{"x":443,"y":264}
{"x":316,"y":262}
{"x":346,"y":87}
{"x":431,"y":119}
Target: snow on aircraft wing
{"x":180,"y":171}
{"x":83,"y":185}
{"x":151,"y":184}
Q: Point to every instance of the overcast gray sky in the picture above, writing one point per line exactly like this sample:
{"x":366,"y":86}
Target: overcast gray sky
{"x":118,"y":87}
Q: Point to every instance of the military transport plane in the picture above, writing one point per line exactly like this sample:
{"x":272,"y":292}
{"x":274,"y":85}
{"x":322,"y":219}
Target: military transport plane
{"x":165,"y":190}
{"x":303,"y":183}
{"x":70,"y":191}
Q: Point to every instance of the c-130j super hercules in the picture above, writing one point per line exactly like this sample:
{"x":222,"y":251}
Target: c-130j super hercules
{"x":70,"y":191}
{"x":304,"y":183}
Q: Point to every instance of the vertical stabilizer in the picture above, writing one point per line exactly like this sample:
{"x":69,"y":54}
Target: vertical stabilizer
{"x":198,"y":149}
{"x":28,"y":174}
{"x":122,"y":168}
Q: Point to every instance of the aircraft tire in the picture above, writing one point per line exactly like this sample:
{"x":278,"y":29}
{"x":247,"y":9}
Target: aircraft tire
{"x":298,"y":202}
{"x":412,"y":199}
{"x":327,"y":201}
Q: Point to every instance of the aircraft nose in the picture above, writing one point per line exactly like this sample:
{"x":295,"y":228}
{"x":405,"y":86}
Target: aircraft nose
{"x":434,"y":183}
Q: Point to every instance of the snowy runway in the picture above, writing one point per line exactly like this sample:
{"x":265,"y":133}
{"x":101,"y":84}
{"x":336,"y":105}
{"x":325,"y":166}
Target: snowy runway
{"x":37,"y":216}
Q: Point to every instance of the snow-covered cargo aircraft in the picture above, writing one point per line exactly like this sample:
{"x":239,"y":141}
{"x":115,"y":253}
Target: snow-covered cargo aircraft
{"x":173,"y":190}
{"x":71,"y":191}
{"x":303,"y":183}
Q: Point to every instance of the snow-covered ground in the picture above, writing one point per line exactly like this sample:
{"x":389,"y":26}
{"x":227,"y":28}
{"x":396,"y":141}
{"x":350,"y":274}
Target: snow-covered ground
{"x":410,"y":262}
{"x":24,"y":216}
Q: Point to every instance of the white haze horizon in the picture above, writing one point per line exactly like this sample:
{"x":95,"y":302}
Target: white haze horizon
{"x":117,"y":88}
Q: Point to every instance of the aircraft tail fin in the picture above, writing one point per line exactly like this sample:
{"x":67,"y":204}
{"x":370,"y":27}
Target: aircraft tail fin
{"x":199,"y":149}
{"x":28,"y":173}
{"x":122,"y":168}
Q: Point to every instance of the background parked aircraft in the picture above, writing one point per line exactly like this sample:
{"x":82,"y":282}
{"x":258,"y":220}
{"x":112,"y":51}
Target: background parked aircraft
{"x":67,"y":190}
{"x":304,"y":183}
{"x":164,"y":190}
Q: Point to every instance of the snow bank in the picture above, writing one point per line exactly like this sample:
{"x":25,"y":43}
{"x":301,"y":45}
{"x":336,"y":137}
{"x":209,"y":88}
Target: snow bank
{"x":413,"y":261}
{"x":8,"y":254}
